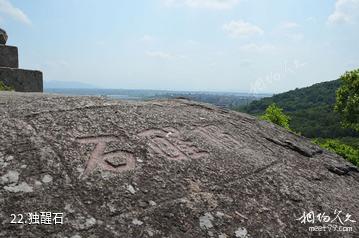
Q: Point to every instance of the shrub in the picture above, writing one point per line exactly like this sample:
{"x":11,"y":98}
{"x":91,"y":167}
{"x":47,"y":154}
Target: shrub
{"x":275,"y":115}
{"x":346,"y":151}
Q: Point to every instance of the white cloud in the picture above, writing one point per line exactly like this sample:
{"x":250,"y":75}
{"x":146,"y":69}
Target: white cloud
{"x":192,"y":42}
{"x":159,"y":54}
{"x":289,"y":25}
{"x":148,"y":38}
{"x":257,"y":47}
{"x":8,"y":9}
{"x":164,"y":55}
{"x":289,"y":30}
{"x":346,"y":11}
{"x":212,"y":4}
{"x":295,"y":36}
{"x":311,"y":19}
{"x":238,"y":29}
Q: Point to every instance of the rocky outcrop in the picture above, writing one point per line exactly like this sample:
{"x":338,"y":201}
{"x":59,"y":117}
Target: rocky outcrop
{"x":20,"y":80}
{"x":164,"y":169}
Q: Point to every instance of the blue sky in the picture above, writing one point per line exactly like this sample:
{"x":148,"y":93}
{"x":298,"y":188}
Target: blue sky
{"x":217,"y":45}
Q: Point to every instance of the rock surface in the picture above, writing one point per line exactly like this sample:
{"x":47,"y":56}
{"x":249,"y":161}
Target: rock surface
{"x":3,"y":37}
{"x":162,"y":169}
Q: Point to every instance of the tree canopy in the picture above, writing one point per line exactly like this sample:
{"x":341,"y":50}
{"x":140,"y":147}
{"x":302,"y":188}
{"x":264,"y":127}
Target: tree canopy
{"x":347,"y":99}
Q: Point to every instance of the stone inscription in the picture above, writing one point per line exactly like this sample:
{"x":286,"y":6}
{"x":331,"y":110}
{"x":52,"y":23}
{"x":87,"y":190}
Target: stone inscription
{"x":168,"y":143}
{"x":118,"y":161}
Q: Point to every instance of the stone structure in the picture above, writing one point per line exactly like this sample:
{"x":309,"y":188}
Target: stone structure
{"x":3,"y":37}
{"x":164,"y":169}
{"x":19,"y":79}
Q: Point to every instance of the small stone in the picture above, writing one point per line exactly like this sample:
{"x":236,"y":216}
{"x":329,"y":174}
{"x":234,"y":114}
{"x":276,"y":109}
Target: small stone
{"x":80,"y":170}
{"x":23,"y":187}
{"x":131,"y":189}
{"x":220,"y":214}
{"x":69,"y":209}
{"x":38,"y":183}
{"x":9,"y":158}
{"x":222,"y":235}
{"x":90,"y":222}
{"x":142,"y":204}
{"x":67,"y":179}
{"x":10,"y":177}
{"x":47,"y":179}
{"x":152,"y":203}
{"x":137,"y":222}
{"x":241,"y":233}
{"x":150,"y":233}
{"x":205,"y":222}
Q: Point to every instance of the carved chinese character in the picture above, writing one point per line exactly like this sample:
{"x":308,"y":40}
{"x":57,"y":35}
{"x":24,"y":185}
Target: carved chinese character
{"x":118,"y":161}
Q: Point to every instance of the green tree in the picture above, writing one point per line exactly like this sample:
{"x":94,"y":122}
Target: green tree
{"x":275,"y":115}
{"x":347,"y":101}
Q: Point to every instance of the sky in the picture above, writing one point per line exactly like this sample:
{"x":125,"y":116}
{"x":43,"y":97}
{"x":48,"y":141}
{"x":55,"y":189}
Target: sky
{"x":256,"y":46}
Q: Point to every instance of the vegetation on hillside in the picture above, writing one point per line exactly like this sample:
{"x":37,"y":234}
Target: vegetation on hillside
{"x":312,"y":114}
{"x":347,"y":103}
{"x":311,"y":110}
{"x":275,"y":115}
{"x":348,"y":147}
{"x":348,"y":152}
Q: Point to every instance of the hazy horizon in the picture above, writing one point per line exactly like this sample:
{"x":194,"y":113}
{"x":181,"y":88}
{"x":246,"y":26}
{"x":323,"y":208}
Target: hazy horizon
{"x":186,"y":45}
{"x":73,"y":85}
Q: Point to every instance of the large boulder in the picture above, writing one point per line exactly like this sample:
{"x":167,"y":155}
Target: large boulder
{"x":163,"y":169}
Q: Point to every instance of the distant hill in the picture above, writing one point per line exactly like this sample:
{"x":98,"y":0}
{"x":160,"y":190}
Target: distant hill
{"x":310,"y":109}
{"x":66,"y":84}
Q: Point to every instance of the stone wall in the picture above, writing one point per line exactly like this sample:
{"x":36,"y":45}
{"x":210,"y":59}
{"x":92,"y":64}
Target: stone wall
{"x":9,"y":56}
{"x":20,"y":80}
